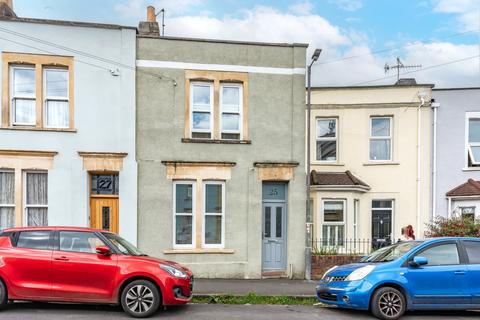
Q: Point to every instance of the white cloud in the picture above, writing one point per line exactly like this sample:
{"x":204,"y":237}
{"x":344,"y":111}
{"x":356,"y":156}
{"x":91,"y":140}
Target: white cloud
{"x":467,"y":11}
{"x":348,"y":5}
{"x":301,"y":8}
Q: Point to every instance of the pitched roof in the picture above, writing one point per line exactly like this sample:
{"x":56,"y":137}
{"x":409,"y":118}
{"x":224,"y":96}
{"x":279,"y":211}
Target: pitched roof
{"x":339,"y":179}
{"x":469,"y":188}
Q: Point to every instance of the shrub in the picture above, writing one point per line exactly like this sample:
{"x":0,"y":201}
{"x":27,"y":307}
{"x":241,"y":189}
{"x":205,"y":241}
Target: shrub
{"x":453,"y":227}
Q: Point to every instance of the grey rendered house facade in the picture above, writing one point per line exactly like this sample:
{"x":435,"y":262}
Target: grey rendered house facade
{"x":221,"y":148}
{"x":456,"y":169}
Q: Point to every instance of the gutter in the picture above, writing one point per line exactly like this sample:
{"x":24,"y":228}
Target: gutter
{"x":434,"y":106}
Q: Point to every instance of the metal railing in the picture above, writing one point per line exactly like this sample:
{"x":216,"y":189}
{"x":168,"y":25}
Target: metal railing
{"x":329,"y":246}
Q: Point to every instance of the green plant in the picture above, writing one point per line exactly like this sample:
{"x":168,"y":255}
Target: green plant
{"x":253,"y":298}
{"x":453,"y":227}
{"x":325,"y":251}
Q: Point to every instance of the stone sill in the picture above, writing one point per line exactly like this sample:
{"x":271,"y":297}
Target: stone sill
{"x":382,"y":163}
{"x":25,"y":128}
{"x":471,"y":169}
{"x":199,"y":251}
{"x":216,"y":141}
{"x":326,"y":163}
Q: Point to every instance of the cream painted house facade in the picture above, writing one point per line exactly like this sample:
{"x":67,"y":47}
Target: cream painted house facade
{"x":370,"y":161}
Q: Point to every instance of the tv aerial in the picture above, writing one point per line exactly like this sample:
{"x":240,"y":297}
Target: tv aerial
{"x":399,"y":65}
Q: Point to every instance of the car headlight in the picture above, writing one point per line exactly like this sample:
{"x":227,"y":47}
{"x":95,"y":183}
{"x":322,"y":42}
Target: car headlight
{"x":360,"y":273}
{"x":328,"y":271}
{"x":173,"y":271}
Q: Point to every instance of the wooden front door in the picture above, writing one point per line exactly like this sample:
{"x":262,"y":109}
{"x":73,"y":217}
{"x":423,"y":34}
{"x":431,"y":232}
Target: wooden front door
{"x":104,"y":189}
{"x":104,"y":213}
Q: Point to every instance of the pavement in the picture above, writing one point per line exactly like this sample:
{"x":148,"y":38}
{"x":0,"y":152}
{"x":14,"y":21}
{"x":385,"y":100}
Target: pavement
{"x":41,"y":311}
{"x":264,"y":287}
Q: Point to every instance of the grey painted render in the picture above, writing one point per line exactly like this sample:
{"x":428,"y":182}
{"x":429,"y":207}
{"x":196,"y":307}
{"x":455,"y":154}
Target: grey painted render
{"x":104,"y":114}
{"x":450,"y":153}
{"x":277,"y":133}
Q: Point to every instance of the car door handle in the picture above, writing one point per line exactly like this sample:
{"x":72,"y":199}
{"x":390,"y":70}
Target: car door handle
{"x":459,"y":273}
{"x":62,"y":258}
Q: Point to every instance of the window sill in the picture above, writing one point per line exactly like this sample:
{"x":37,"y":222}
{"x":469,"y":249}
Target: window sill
{"x":381,"y":163}
{"x":25,"y":128}
{"x":216,"y":141}
{"x":333,"y":164}
{"x":471,"y":169}
{"x":198,"y":251}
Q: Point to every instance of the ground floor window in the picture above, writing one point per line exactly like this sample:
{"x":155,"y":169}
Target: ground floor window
{"x":7,"y":199}
{"x":184,"y":213}
{"x":333,"y":228}
{"x":36,"y":198}
{"x":213,"y":224}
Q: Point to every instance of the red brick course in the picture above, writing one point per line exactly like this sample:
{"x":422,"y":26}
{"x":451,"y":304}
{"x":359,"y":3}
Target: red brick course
{"x":320,"y":264}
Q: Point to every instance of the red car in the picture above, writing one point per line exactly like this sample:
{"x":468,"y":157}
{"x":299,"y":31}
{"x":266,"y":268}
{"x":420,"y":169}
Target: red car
{"x":62,"y":264}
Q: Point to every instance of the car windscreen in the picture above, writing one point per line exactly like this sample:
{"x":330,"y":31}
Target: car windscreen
{"x":123,"y":245}
{"x":391,"y":253}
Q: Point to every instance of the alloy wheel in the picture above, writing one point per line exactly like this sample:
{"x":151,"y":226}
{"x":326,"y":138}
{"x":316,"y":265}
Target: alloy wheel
{"x":390,"y":304}
{"x":139,"y":299}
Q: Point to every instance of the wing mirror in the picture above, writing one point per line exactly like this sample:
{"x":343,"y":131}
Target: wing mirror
{"x":103,"y":250}
{"x":418,"y":261}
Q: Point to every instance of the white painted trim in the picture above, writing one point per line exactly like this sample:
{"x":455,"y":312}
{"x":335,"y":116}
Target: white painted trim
{"x":335,"y":138}
{"x":217,"y":67}
{"x":211,"y":110}
{"x":24,"y":196}
{"x":390,"y":137}
{"x":222,"y":214}
{"x":184,"y":246}
{"x":240,"y":110}
{"x":46,"y":98}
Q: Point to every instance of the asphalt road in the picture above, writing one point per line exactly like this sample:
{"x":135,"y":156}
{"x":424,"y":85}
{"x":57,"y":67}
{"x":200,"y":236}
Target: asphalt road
{"x":38,"y":311}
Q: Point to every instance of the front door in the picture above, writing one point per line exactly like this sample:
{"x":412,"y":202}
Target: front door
{"x":104,"y":202}
{"x":381,"y":226}
{"x":274,"y":241}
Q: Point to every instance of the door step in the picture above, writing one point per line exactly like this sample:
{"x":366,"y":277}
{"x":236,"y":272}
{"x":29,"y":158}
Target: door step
{"x":274,"y":274}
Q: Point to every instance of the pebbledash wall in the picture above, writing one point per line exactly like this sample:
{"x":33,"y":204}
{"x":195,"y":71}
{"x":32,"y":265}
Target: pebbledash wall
{"x":270,"y":147}
{"x":100,"y":137}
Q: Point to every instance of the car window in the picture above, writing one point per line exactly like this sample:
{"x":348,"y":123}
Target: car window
{"x":85,"y":242}
{"x":473,"y":251}
{"x":441,"y":255}
{"x":34,"y":240}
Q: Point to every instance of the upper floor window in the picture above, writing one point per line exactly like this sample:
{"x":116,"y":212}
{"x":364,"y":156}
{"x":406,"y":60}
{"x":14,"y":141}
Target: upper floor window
{"x":326,"y":139}
{"x":473,"y":143}
{"x":216,"y":106}
{"x":381,"y":138}
{"x":40,"y":92}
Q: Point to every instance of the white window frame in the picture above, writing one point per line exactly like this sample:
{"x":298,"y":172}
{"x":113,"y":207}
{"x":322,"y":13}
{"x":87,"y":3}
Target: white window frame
{"x":468,"y":145}
{"x":7,"y":205}
{"x":389,"y":137}
{"x":334,"y":224}
{"x":205,"y":214}
{"x":55,"y":98}
{"x":240,"y":110}
{"x":175,"y":214}
{"x":24,"y":200}
{"x":211,"y":111}
{"x":317,"y":138}
{"x":13,"y":97}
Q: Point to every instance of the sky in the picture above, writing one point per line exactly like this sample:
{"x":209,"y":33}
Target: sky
{"x":357,"y":37}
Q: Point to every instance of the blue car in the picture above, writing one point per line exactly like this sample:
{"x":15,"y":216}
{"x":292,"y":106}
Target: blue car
{"x":440,"y":273}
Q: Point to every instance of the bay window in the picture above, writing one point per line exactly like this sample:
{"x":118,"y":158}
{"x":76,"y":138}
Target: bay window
{"x":333,"y":229}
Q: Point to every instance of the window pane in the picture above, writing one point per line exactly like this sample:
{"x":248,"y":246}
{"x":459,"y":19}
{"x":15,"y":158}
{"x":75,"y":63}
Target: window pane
{"x":333,"y":211}
{"x":231,"y":99}
{"x":37,"y":192}
{"x":213,"y":198}
{"x":201,"y":121}
{"x":268,"y":222}
{"x":57,"y":113}
{"x":446,"y":254}
{"x":183,"y":229}
{"x":326,"y":128}
{"x":474,"y":130}
{"x":105,"y":184}
{"x":85,"y":242}
{"x":56,"y":82}
{"x":380,"y":149}
{"x":380,"y":127}
{"x":24,"y":82}
{"x":7,"y":217}
{"x":24,"y":111}
{"x":278,"y":222}
{"x":327,"y":150}
{"x":231,"y":136}
{"x":273,"y":191}
{"x":201,"y":95}
{"x":7,"y":188}
{"x":473,"y":251}
{"x":201,"y":135}
{"x":475,"y":154}
{"x":34,"y":240}
{"x":183,"y":193}
{"x":37,"y":217}
{"x":230,"y":122}
{"x":382,"y":204}
{"x":213,"y":229}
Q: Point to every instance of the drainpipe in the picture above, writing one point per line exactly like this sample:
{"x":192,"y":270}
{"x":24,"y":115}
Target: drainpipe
{"x":434,"y":106}
{"x":421,"y":96}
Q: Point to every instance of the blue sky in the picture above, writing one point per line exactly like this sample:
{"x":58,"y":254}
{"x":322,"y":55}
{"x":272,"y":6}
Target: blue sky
{"x":342,"y":28}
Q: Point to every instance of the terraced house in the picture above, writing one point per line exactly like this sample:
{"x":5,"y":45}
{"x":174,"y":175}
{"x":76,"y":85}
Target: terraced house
{"x":220,"y":137}
{"x":67,"y":129}
{"x":371,"y":172}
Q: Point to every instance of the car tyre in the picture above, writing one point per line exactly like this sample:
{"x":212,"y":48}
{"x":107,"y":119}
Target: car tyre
{"x":3,"y":296}
{"x":388,"y":304}
{"x":140,"y":299}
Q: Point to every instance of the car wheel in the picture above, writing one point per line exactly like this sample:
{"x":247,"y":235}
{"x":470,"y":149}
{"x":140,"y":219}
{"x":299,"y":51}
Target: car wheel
{"x":3,"y":295}
{"x":388,"y":304}
{"x":140,"y":299}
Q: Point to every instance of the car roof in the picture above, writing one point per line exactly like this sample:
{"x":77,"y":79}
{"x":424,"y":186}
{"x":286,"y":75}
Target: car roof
{"x":440,"y":239}
{"x":54,"y":228}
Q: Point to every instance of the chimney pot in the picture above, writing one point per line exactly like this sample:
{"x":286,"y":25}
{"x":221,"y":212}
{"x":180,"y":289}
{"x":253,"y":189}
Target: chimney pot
{"x":151,"y":17}
{"x":149,"y":27}
{"x":6,"y":9}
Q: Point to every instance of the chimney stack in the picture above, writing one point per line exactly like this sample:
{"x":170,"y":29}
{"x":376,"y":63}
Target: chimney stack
{"x":6,"y":9}
{"x":149,"y":27}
